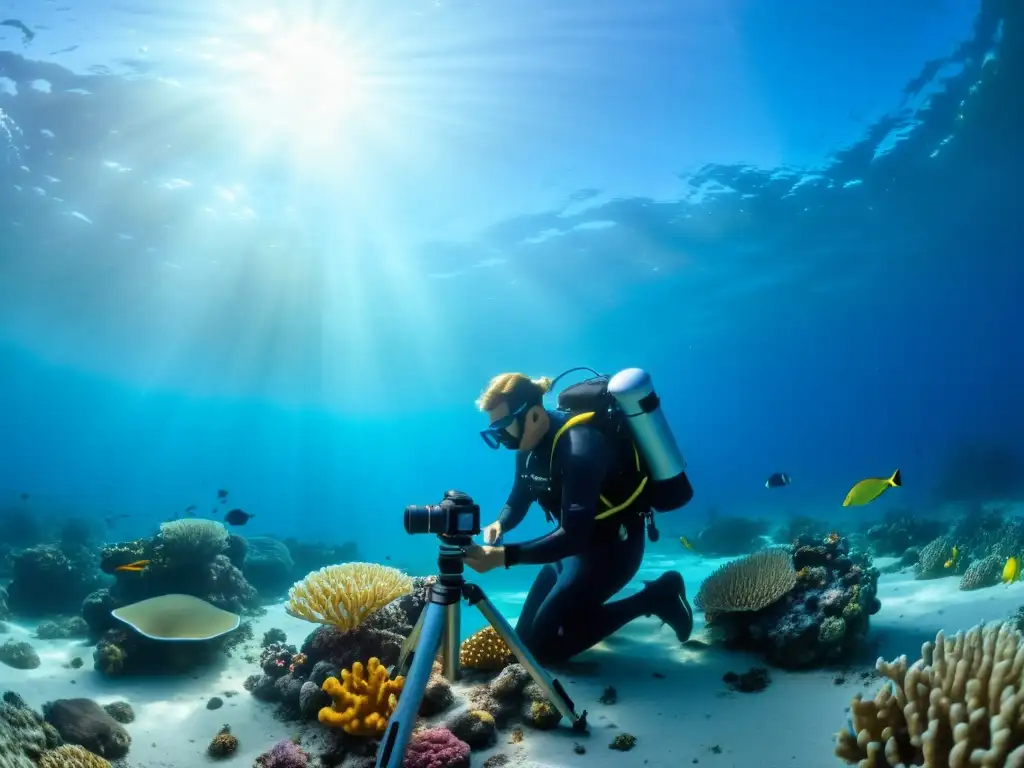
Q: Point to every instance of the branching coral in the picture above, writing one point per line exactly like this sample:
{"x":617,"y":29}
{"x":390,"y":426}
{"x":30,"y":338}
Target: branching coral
{"x":363,"y":700}
{"x":344,"y":596}
{"x":748,"y":584}
{"x":484,"y":650}
{"x":961,"y":704}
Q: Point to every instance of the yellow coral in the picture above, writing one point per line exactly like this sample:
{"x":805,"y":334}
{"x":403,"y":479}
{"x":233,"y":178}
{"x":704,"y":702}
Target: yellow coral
{"x":484,"y":650}
{"x":363,"y":700}
{"x":344,"y":596}
{"x":69,"y":756}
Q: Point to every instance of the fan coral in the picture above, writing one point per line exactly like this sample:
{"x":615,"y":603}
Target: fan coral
{"x":748,"y":584}
{"x":192,"y":539}
{"x":363,"y":700}
{"x":69,"y":756}
{"x":344,"y":596}
{"x":958,"y":705}
{"x":436,"y":748}
{"x":484,"y":650}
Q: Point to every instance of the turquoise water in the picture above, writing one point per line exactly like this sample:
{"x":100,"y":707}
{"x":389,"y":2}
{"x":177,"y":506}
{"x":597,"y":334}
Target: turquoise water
{"x":280,"y":248}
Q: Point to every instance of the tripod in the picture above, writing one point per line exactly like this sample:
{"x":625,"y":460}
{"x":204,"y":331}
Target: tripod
{"x":438,"y":629}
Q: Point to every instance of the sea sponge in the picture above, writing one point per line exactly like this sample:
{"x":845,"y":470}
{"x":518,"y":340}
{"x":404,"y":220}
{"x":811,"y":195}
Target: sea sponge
{"x":363,"y":700}
{"x":959,"y":705}
{"x":71,"y":756}
{"x":344,"y":596}
{"x":484,"y":650}
{"x":749,"y":583}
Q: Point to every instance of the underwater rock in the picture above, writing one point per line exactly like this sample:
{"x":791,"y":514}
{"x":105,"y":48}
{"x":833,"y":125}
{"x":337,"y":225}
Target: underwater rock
{"x":19,"y":655}
{"x":725,"y":536}
{"x":899,"y":530}
{"x":96,"y":610}
{"x":222,"y":745}
{"x":263,"y":687}
{"x":268,"y":565}
{"x":60,"y":629}
{"x":24,"y":735}
{"x":121,"y":711}
{"x":503,"y":695}
{"x":322,"y":670}
{"x":276,"y":658}
{"x":537,"y":710}
{"x":47,"y":582}
{"x":284,"y":754}
{"x":437,"y":696}
{"x":312,"y":698}
{"x":86,"y":723}
{"x":273,"y":635}
{"x":436,"y":748}
{"x":476,"y":727}
{"x":753,"y":680}
{"x":343,"y":649}
{"x":822,"y":620}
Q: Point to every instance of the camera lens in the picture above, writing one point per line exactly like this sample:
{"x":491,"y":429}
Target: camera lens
{"x":428,"y":518}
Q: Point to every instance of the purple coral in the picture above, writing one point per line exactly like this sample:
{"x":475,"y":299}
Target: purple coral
{"x":436,"y":748}
{"x":284,"y":754}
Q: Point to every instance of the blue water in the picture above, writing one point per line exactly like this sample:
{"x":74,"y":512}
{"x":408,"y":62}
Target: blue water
{"x":278,"y":249}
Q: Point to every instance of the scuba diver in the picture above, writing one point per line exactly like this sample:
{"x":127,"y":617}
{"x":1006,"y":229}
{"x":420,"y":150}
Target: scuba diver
{"x":597,"y":466}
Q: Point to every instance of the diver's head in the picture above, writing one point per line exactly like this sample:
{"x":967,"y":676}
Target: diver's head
{"x":514,"y":404}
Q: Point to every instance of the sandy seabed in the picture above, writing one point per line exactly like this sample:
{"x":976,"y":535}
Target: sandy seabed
{"x":670,"y":697}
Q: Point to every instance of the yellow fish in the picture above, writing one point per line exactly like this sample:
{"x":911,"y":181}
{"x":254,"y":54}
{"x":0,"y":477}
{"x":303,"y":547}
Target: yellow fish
{"x":687,"y":543}
{"x":136,"y":567}
{"x":952,"y":560}
{"x":1011,"y":571}
{"x":868,"y":490}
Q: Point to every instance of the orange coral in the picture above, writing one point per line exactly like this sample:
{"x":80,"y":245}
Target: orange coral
{"x":484,"y":650}
{"x":363,"y":700}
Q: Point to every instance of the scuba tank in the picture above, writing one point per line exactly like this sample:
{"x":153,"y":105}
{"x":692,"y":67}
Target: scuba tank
{"x":633,"y":391}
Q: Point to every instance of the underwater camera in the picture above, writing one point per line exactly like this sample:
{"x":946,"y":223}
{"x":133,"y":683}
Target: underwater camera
{"x":456,"y":515}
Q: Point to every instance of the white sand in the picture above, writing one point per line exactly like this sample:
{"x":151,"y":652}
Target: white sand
{"x":677,"y":720}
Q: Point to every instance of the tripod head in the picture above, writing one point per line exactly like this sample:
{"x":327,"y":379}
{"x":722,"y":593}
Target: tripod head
{"x":451,"y":556}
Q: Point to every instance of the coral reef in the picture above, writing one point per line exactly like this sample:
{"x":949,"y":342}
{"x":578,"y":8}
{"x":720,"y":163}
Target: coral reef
{"x":931,"y":561}
{"x":46,"y":581}
{"x":957,"y":706}
{"x":821,"y":620}
{"x":485,"y":650}
{"x":476,"y":727}
{"x":86,"y":723}
{"x":188,"y":557}
{"x":511,"y":697}
{"x":74,"y":626}
{"x":344,"y":596}
{"x":436,"y":748}
{"x":363,"y":700}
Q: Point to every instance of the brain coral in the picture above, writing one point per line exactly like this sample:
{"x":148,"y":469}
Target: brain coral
{"x":749,"y":583}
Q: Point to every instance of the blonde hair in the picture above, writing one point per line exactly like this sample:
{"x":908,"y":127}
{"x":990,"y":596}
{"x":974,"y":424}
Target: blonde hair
{"x":503,"y":385}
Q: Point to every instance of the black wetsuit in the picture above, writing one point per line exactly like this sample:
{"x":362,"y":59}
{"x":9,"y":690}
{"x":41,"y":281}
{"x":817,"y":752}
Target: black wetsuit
{"x":587,"y":561}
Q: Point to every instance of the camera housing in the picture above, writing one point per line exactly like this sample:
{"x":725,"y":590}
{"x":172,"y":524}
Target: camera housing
{"x":456,"y":515}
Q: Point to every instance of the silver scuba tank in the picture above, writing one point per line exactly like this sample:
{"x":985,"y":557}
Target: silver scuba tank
{"x":633,"y":390}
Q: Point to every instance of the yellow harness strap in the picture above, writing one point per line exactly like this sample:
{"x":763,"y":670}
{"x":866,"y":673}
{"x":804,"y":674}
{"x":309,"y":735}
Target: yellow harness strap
{"x":582,"y":418}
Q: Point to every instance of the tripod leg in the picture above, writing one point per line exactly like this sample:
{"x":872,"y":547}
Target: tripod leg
{"x":409,"y":647}
{"x":391,"y":753}
{"x":551,"y":686}
{"x":450,"y":646}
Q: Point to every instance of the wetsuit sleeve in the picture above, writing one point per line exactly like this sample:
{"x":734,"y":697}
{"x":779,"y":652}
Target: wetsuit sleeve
{"x":519,"y":498}
{"x":583,"y":458}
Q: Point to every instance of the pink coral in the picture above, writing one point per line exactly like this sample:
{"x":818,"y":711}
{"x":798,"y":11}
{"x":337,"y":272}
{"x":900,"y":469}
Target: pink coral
{"x":284,"y":754}
{"x":436,"y":748}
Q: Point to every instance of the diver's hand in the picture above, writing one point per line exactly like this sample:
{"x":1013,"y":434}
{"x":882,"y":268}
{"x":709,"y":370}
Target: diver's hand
{"x":493,"y":533}
{"x":484,"y":559}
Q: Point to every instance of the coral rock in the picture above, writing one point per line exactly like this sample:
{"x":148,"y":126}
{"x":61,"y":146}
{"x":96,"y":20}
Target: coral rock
{"x":436,"y":748}
{"x":484,"y":650}
{"x":86,"y":723}
{"x":474,"y":726}
{"x":71,"y":756}
{"x":748,"y":584}
{"x":284,"y":754}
